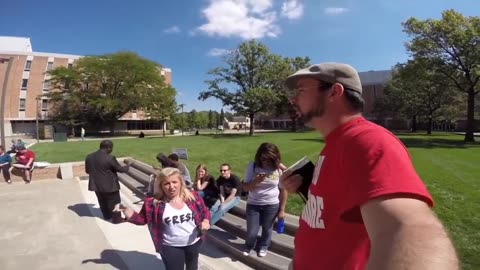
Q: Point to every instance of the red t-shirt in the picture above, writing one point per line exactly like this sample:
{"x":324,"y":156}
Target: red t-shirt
{"x":23,"y":158}
{"x":359,"y":162}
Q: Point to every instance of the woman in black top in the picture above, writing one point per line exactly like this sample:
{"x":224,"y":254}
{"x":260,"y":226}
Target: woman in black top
{"x":205,"y":185}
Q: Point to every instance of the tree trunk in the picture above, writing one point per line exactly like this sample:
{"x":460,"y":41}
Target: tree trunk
{"x":430,"y":122}
{"x":414,"y":123}
{"x":98,"y":126}
{"x":112,"y":128}
{"x":251,"y":124}
{"x":294,"y":123}
{"x":469,"y":136}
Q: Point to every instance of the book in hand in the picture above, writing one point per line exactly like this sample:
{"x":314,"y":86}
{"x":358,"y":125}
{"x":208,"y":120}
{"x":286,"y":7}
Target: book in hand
{"x":305,"y":168}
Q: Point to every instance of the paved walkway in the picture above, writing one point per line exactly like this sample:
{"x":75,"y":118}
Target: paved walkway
{"x":56,"y":224}
{"x":44,"y":227}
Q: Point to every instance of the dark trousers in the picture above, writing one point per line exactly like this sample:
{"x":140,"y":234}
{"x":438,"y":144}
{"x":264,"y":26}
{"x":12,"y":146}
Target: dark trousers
{"x":264,"y":216}
{"x":176,"y":258}
{"x":107,"y":201}
{"x":5,"y":171}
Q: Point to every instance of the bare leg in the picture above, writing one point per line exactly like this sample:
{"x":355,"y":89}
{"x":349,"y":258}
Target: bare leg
{"x":28,"y":175}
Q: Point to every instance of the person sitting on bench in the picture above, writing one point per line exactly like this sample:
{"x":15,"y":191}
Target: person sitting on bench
{"x":24,"y":162}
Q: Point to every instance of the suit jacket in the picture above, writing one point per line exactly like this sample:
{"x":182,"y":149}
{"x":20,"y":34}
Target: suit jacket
{"x":102,"y":169}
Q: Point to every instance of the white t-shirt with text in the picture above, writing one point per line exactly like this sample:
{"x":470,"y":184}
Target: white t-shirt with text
{"x":179,"y":228}
{"x":266,"y":192}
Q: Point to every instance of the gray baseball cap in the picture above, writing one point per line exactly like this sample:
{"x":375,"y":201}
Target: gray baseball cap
{"x":328,"y":72}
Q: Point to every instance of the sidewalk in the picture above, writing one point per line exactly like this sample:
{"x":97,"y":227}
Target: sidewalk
{"x":45,"y":226}
{"x":127,"y":236}
{"x":56,"y":224}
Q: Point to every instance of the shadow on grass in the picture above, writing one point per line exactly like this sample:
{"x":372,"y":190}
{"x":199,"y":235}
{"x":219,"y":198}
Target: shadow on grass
{"x":229,"y":136}
{"x":318,"y":140}
{"x":428,"y":142}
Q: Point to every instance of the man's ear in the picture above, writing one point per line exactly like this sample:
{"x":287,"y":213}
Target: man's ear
{"x":336,"y":92}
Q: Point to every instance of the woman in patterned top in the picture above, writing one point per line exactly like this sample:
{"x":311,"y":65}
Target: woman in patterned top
{"x":266,"y":200}
{"x":178,"y":218}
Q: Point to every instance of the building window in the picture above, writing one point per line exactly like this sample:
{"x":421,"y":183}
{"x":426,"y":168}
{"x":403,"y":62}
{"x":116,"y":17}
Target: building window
{"x":49,"y":66}
{"x":24,"y":84}
{"x":44,"y":105}
{"x":46,"y":85}
{"x":22,"y":105}
{"x":28,"y":65}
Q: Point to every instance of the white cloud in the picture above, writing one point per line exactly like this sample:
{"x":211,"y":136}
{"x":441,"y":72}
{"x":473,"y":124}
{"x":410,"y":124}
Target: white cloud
{"x":240,"y":18}
{"x":172,"y":30}
{"x":333,"y":11}
{"x":217,"y":52}
{"x":292,"y":9}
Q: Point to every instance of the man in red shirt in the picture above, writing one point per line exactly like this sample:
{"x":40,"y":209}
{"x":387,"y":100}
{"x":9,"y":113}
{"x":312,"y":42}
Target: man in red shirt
{"x":367,"y":207}
{"x":24,"y":162}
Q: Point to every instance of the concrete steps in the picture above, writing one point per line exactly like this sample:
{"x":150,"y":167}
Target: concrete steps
{"x":234,"y":245}
{"x":230,"y":232}
{"x":291,"y":221}
{"x":281,"y":243}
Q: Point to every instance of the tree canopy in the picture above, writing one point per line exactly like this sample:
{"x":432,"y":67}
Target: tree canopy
{"x":246,"y":82}
{"x":104,"y":88}
{"x":415,"y":91}
{"x":451,"y":45}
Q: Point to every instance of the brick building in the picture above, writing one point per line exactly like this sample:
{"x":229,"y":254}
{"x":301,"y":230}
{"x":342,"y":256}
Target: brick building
{"x":28,"y":81}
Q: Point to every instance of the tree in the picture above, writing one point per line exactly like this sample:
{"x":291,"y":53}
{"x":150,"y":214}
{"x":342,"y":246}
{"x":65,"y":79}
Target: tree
{"x":161,"y":104}
{"x":192,"y":119}
{"x":67,"y":106}
{"x":284,"y":68}
{"x":108,"y":86}
{"x":414,"y":91}
{"x":248,"y":71}
{"x":452,"y":46}
{"x":221,"y":117}
{"x":202,"y":119}
{"x":210,"y":119}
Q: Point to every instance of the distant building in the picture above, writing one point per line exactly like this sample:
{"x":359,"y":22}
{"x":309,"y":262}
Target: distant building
{"x":28,"y":80}
{"x":238,"y":122}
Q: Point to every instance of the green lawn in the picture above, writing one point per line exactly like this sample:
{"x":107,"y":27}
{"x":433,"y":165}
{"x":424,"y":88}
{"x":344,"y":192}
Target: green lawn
{"x":450,"y":169}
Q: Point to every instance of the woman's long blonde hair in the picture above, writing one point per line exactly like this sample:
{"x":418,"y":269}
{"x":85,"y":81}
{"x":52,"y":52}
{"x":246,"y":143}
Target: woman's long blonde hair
{"x":201,"y":166}
{"x":163,"y":175}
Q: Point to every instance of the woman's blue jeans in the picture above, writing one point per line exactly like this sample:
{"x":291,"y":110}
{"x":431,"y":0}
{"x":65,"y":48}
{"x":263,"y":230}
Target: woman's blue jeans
{"x":260,"y":216}
{"x":217,"y":211}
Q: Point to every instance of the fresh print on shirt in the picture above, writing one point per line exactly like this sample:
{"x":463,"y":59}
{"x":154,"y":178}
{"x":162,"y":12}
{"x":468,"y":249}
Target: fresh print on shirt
{"x":179,"y":227}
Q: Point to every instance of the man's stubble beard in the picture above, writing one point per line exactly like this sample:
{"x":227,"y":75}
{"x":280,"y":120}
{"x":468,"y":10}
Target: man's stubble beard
{"x":317,"y":111}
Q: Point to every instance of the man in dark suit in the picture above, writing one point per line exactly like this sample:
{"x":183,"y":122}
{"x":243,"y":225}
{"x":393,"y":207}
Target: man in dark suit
{"x":102,"y":168}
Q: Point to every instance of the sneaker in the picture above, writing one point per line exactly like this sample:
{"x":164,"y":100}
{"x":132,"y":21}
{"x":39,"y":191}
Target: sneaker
{"x":262,"y":253}
{"x":246,"y":252}
{"x":9,"y":181}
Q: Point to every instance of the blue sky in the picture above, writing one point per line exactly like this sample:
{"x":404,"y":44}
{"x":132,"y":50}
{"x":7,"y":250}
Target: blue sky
{"x":189,"y":36}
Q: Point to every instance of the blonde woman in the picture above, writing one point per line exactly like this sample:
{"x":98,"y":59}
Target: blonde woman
{"x":177,"y":218}
{"x":205,"y":185}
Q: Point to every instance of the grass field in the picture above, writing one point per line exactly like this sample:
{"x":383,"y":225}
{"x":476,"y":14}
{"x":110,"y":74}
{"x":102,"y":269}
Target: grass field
{"x":450,"y":169}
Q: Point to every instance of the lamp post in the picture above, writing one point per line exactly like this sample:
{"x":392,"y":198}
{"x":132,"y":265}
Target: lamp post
{"x":2,"y":100}
{"x":181,"y":106}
